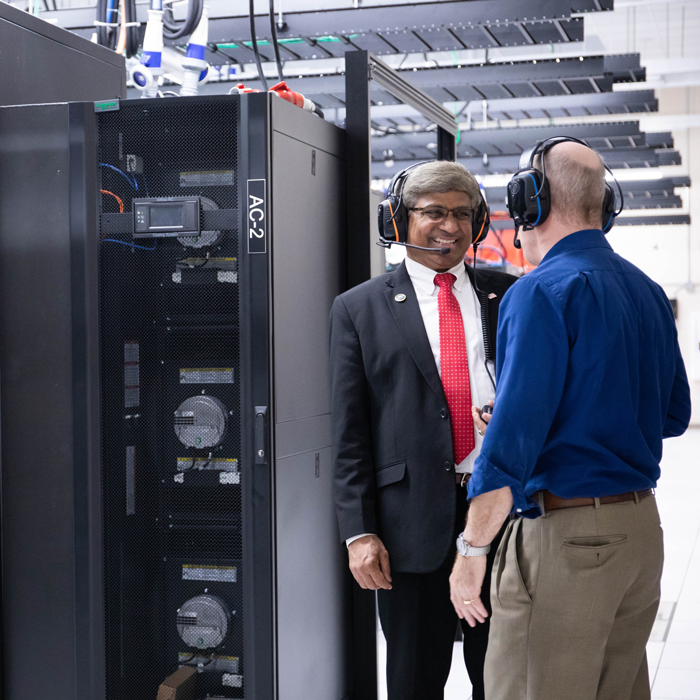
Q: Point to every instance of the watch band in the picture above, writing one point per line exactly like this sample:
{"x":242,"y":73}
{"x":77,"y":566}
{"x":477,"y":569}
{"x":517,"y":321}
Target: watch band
{"x":466,"y":550}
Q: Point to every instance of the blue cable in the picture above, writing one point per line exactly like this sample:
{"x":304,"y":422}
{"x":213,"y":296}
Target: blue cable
{"x":131,"y":245}
{"x":133,"y":182}
{"x":145,"y":184}
{"x":539,"y":207}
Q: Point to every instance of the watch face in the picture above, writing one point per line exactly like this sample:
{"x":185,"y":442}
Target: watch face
{"x":461,"y":546}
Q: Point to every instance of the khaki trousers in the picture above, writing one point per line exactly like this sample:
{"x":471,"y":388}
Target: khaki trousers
{"x":574,"y":596}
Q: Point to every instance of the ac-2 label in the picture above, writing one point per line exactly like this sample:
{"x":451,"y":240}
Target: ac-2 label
{"x":257,"y":217}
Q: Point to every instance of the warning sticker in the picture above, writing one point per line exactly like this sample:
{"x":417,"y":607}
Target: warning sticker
{"x":232,"y":681}
{"x":132,"y":381}
{"x":207,"y":375}
{"x":201,"y":572}
{"x":215,"y":263}
{"x":229,"y":478}
{"x":206,"y":178}
{"x":222,"y":464}
{"x":225,"y":276}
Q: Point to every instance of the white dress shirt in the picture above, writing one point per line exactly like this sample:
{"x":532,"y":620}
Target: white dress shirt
{"x":427,"y":294}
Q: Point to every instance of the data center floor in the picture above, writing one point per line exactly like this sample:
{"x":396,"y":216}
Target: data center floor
{"x":674,"y":647}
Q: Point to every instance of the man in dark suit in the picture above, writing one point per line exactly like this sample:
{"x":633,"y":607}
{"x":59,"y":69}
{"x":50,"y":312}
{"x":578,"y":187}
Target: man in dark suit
{"x":408,"y":363}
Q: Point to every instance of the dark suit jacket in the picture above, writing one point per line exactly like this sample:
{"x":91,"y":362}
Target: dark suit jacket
{"x":393,"y":457}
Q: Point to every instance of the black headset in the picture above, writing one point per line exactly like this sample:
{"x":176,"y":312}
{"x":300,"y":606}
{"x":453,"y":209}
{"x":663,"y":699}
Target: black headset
{"x":528,"y":197}
{"x":393,"y":215}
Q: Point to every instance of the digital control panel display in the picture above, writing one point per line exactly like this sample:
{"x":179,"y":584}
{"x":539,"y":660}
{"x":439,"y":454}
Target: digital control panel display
{"x":166,"y":216}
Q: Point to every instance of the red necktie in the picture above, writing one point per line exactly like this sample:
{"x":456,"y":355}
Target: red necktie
{"x":454,"y":367}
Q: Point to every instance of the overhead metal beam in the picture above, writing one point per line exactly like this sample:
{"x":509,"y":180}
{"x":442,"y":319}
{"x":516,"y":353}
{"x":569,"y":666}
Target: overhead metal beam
{"x":399,"y":87}
{"x":474,"y":82}
{"x":341,"y":17}
{"x":654,"y":220}
{"x":506,"y":164}
{"x":511,"y":140}
{"x":657,"y":189}
{"x":622,"y":220}
{"x":513,"y":108}
{"x":669,"y":202}
{"x":490,"y":38}
{"x":528,"y":37}
{"x":495,"y":196}
{"x":573,"y":105}
{"x":560,"y":29}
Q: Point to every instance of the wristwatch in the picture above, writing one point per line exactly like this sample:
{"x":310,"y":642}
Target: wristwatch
{"x":466,"y":550}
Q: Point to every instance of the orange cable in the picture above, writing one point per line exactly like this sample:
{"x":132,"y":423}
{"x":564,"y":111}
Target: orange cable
{"x":121,"y":43}
{"x":121,"y":204}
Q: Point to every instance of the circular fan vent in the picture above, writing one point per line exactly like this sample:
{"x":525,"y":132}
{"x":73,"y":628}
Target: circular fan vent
{"x":205,"y":238}
{"x":202,"y":622}
{"x":201,"y":421}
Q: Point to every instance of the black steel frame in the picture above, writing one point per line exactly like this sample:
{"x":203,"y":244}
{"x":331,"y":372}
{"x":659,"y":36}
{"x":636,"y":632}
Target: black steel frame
{"x":258,"y":582}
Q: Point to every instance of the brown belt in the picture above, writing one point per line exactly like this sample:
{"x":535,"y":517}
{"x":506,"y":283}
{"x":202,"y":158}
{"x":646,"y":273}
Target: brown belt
{"x":466,"y":478}
{"x":552,"y":502}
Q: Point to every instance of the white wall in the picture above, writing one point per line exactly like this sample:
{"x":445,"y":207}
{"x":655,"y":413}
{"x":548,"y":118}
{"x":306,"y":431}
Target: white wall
{"x":671,"y":254}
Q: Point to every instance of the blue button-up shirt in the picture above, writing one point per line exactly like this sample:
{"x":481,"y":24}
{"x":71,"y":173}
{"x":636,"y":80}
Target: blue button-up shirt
{"x":590,"y":379}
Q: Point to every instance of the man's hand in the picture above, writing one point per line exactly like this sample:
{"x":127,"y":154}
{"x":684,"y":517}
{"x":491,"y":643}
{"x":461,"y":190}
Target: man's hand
{"x":369,"y":563}
{"x":481,"y":420}
{"x":465,"y":588}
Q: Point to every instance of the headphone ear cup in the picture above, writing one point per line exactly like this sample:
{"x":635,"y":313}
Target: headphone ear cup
{"x":608,"y":216}
{"x":392,"y":220}
{"x":481,"y":221}
{"x":383,"y":216}
{"x":527,"y":208}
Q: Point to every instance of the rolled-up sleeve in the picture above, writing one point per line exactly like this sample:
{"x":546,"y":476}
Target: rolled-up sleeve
{"x":531,"y":366}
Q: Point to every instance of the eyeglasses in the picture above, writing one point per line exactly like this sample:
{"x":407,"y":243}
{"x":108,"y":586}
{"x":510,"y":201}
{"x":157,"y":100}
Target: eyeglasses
{"x":438,"y":214}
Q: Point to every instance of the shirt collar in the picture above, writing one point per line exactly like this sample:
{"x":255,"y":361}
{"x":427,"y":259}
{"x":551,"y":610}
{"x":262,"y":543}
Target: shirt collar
{"x":423,"y":277}
{"x":580,"y":240}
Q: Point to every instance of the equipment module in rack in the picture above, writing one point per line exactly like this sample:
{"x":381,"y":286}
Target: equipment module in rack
{"x":184,"y":533}
{"x":166,"y":217}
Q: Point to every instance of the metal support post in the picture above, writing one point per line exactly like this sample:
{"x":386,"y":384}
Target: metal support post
{"x":358,"y":166}
{"x":446,"y":146}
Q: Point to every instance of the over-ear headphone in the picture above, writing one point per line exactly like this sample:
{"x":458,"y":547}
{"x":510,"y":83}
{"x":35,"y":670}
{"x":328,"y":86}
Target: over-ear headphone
{"x":392,"y":214}
{"x":528,"y":197}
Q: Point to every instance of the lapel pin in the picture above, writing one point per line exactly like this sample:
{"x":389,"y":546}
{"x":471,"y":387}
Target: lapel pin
{"x":492,"y":295}
{"x":400,"y":297}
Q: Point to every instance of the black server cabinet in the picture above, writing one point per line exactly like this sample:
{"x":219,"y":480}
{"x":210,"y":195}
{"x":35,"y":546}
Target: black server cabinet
{"x":45,"y":63}
{"x":166,"y":460}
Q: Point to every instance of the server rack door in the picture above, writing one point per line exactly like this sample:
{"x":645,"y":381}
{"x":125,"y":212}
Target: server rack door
{"x":51,"y":496}
{"x":254,"y":189}
{"x":177,"y":354}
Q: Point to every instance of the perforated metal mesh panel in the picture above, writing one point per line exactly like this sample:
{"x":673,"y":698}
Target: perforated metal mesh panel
{"x":173,"y":510}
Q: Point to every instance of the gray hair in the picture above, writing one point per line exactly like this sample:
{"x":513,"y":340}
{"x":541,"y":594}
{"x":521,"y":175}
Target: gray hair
{"x":576,"y":188}
{"x":440,"y":176}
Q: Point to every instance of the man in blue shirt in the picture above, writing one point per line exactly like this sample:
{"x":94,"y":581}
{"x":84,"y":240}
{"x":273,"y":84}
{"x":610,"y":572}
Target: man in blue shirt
{"x":590,"y":379}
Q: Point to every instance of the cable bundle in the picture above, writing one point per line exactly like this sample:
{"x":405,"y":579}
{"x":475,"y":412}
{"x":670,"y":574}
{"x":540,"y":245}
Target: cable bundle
{"x":117,"y":27}
{"x":172,"y":29}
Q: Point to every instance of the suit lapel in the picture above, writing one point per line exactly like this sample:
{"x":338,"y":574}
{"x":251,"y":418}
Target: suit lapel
{"x":410,"y":322}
